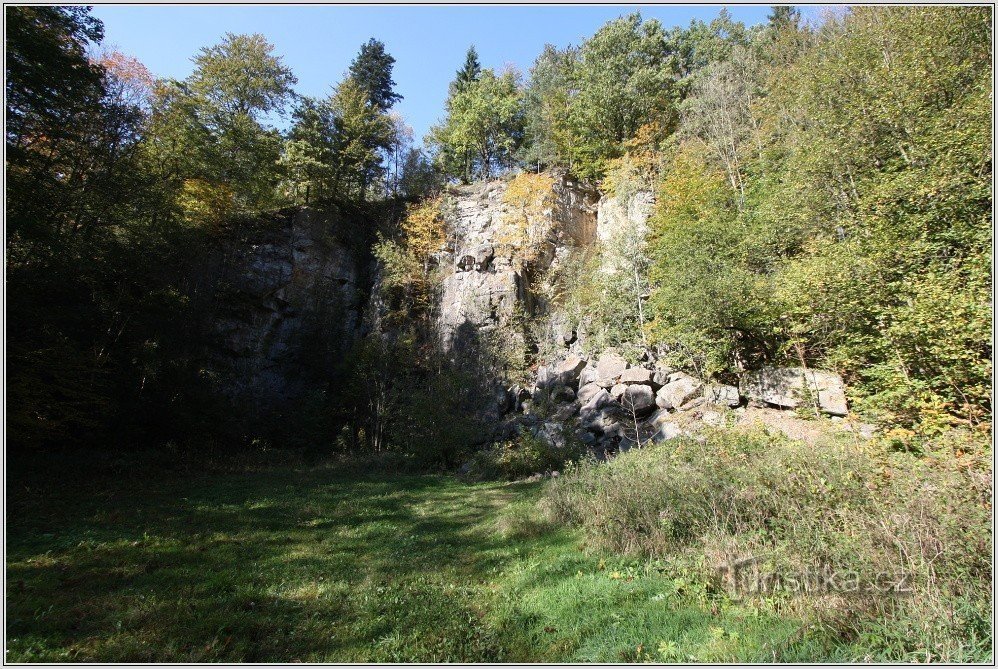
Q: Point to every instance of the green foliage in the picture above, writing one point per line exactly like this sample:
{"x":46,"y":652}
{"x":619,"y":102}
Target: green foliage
{"x":362,"y":132}
{"x":504,"y":586}
{"x":841,"y":507}
{"x":210,"y":126}
{"x":372,"y":70}
{"x":403,"y":396}
{"x":547,"y":139}
{"x":469,"y":73}
{"x":483,"y":127}
{"x":707,"y":304}
{"x":624,"y":80}
{"x":839,"y":231}
{"x":522,"y":457}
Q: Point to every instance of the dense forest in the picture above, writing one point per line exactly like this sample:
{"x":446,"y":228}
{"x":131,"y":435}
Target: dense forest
{"x":822,"y":198}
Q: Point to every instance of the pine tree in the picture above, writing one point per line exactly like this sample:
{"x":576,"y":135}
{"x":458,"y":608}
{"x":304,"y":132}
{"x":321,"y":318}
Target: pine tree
{"x":372,"y":70}
{"x":469,"y":73}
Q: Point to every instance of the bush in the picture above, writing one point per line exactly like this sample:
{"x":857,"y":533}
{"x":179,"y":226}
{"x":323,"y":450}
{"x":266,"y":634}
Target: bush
{"x":841,"y":508}
{"x":521,"y":457}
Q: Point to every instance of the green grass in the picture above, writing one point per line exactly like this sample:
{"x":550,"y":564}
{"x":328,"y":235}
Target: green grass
{"x":315,"y":564}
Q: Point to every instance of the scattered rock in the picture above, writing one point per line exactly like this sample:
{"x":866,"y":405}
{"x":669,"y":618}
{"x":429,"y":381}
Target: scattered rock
{"x":617,"y":390}
{"x":564,"y":373}
{"x":790,"y":387}
{"x":678,"y":392}
{"x":635,"y":375}
{"x":722,"y":395}
{"x":639,"y":399}
{"x":660,"y":376}
{"x":596,"y":402}
{"x":587,"y":392}
{"x":588,"y":375}
{"x":566,"y":411}
{"x":609,"y":368}
{"x":553,"y":433}
{"x":562,"y":394}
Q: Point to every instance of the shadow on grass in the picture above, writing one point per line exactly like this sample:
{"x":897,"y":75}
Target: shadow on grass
{"x":317,"y":564}
{"x":277,"y":566}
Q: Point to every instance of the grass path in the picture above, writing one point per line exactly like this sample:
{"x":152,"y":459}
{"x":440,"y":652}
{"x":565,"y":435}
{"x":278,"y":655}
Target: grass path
{"x":316,"y":565}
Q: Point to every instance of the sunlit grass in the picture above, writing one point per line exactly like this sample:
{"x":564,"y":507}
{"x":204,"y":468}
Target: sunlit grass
{"x":314,"y":565}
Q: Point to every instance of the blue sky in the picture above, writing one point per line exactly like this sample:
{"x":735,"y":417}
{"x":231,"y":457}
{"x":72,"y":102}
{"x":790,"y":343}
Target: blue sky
{"x":428,"y":43}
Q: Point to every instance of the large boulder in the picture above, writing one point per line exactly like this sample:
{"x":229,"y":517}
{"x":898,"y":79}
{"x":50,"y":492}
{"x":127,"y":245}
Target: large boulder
{"x":607,"y":419}
{"x":588,"y":375}
{"x":483,"y":256}
{"x":681,"y":390}
{"x":588,"y":391}
{"x":662,"y":426}
{"x":791,"y":387}
{"x":722,"y":395}
{"x":660,"y":376}
{"x":617,"y":390}
{"x":609,"y":368}
{"x":597,"y":401}
{"x":563,"y":373}
{"x":635,"y":375}
{"x":639,"y":399}
{"x":562,"y":394}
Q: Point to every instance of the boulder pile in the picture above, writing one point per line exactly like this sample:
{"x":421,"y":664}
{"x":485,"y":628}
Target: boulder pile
{"x":612,"y":405}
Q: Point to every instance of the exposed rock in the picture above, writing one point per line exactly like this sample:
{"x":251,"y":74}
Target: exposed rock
{"x":588,"y":391}
{"x":562,"y":394}
{"x":588,"y":375}
{"x":553,"y":433}
{"x":617,"y":391}
{"x":517,"y":396}
{"x":596,"y":402}
{"x":639,"y":399}
{"x":662,"y":426}
{"x":635,"y":375}
{"x":660,"y":376}
{"x":609,"y":368}
{"x":282,"y":285}
{"x":678,"y":392}
{"x":475,"y":302}
{"x":565,"y":373}
{"x":607,"y":418}
{"x":564,"y":412}
{"x":790,"y":387}
{"x":483,"y":255}
{"x":617,"y":219}
{"x":722,"y":395}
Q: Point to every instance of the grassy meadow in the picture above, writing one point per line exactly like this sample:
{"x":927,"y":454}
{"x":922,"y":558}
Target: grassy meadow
{"x":320,"y":564}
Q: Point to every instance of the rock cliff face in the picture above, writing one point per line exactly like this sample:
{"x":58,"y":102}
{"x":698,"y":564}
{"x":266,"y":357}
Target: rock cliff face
{"x":289,"y":298}
{"x":495,"y":253}
{"x":292,"y":296}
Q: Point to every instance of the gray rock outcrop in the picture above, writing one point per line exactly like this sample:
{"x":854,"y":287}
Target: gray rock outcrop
{"x":791,"y":387}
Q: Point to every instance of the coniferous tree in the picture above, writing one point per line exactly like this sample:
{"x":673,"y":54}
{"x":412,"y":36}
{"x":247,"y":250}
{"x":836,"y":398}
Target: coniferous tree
{"x":372,"y":70}
{"x":469,"y":72}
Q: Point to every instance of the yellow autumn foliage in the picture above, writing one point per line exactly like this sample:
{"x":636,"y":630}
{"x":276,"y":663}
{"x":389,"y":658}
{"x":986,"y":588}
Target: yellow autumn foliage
{"x":528,"y":201}
{"x":423,"y":229}
{"x":206,"y":203}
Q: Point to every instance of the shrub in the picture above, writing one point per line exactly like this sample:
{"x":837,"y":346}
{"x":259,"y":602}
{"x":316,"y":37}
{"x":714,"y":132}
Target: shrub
{"x":843,"y":507}
{"x":521,"y":457}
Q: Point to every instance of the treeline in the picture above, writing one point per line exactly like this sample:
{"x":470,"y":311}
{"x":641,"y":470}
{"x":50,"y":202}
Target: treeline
{"x":823,"y":192}
{"x":119,"y":184}
{"x":823,"y":198}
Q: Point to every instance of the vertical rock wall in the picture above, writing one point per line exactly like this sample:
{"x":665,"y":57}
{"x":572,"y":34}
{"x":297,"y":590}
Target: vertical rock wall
{"x":289,"y":298}
{"x":487,"y":279}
